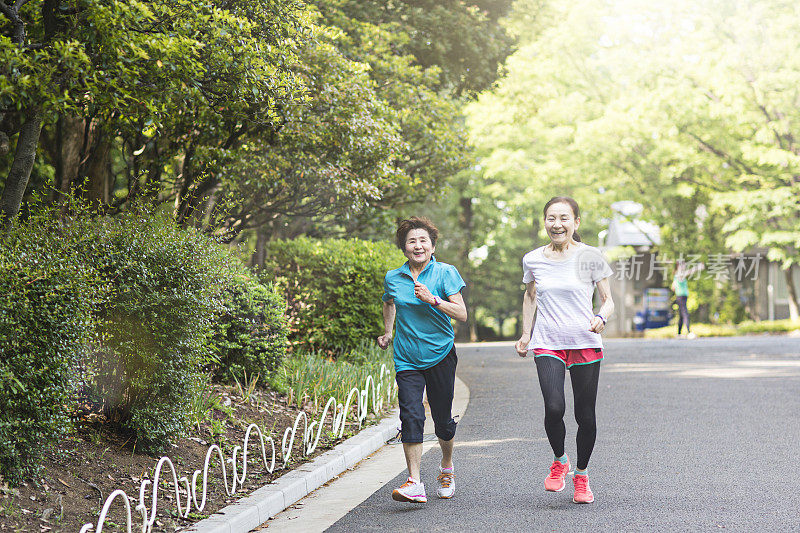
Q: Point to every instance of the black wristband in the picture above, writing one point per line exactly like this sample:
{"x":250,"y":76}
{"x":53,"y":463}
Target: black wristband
{"x":601,"y":318}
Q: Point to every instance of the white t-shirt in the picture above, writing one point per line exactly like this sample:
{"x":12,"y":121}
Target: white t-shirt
{"x":564,"y":290}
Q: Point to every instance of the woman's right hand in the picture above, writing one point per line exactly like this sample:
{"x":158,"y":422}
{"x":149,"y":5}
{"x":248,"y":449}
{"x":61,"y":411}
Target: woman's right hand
{"x":522,"y":347}
{"x":384,"y":340}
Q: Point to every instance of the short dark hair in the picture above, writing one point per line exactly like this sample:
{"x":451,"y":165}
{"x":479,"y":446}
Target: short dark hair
{"x":404,"y":226}
{"x":576,"y":211}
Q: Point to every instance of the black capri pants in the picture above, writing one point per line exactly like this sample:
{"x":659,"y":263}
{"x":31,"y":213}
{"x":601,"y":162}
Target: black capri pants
{"x":440,"y":381}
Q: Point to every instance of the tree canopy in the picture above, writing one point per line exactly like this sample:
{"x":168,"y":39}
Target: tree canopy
{"x":243,"y":115}
{"x":689,"y":109}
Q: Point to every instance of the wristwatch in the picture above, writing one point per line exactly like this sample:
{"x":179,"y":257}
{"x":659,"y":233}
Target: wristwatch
{"x":436,"y":301}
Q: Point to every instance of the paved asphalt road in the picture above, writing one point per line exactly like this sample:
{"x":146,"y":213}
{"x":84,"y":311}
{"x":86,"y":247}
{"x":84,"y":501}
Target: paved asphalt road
{"x":693,"y":435}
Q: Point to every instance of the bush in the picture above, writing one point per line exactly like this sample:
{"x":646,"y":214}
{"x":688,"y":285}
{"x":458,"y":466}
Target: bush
{"x":122,"y":310}
{"x":156,"y":327}
{"x":250,"y":337}
{"x":731,"y":310}
{"x":333,"y":289}
{"x":46,"y":321}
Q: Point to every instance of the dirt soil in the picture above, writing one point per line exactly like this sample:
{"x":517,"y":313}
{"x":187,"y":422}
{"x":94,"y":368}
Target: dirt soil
{"x":90,"y":464}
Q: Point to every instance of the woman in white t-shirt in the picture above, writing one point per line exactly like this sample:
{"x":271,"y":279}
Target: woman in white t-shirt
{"x":560,"y":279}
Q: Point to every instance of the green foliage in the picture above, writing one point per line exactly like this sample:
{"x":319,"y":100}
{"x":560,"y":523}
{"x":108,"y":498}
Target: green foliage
{"x":730,"y":310}
{"x":202,"y":404}
{"x":726,"y":330}
{"x":462,"y":40}
{"x":141,"y":61}
{"x":151,"y":80}
{"x":333,"y":155}
{"x":155,"y":329}
{"x":663,"y":105}
{"x":701,"y":330}
{"x":715,"y":301}
{"x":248,"y":113}
{"x":47,"y":298}
{"x":250,"y":336}
{"x":123,"y":311}
{"x":311,"y":376}
{"x":769,"y":326}
{"x":333,"y":289}
{"x":422,"y":61}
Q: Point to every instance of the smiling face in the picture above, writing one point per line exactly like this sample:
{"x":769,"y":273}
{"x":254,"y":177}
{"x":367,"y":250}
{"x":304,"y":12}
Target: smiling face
{"x":419,"y":248}
{"x":560,"y":223}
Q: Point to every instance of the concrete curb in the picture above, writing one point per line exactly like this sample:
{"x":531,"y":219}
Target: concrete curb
{"x":264,"y":503}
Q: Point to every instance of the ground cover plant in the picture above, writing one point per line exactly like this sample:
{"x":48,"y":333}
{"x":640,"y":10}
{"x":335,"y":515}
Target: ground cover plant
{"x":728,"y":330}
{"x":769,"y":326}
{"x":128,"y":337}
{"x":81,"y":471}
{"x":312,"y":376}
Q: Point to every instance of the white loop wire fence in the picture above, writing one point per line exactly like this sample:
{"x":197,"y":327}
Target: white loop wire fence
{"x":381,"y":393}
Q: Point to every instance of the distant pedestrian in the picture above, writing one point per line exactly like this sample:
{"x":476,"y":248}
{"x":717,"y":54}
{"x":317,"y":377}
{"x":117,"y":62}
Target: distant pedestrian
{"x":423,"y":295}
{"x":680,"y":285}
{"x":560,"y":279}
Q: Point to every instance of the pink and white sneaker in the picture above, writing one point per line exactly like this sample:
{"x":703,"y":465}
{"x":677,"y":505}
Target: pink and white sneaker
{"x":583,"y":494}
{"x":410,"y":491}
{"x":554,"y":482}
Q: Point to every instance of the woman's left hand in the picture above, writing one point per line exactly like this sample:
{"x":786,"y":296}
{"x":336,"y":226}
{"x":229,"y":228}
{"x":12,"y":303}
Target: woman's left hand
{"x":422,"y":292}
{"x":596,"y":325}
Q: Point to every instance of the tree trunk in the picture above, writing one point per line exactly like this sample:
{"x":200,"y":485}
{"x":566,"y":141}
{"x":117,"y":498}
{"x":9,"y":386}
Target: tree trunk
{"x":467,"y":332}
{"x":97,"y":171}
{"x":152,"y":184}
{"x":260,"y":253}
{"x":208,"y":212}
{"x":20,"y":172}
{"x":793,"y":307}
{"x":69,"y":142}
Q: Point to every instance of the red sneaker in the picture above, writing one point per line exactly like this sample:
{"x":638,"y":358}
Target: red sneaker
{"x":555,"y":481}
{"x":583,"y":494}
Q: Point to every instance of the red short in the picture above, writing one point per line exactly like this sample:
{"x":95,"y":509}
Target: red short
{"x":584,"y":356}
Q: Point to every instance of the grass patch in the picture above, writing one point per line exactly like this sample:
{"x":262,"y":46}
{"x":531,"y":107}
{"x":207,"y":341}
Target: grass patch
{"x":311,"y":377}
{"x":701,"y":330}
{"x":727,"y":330}
{"x":769,"y":326}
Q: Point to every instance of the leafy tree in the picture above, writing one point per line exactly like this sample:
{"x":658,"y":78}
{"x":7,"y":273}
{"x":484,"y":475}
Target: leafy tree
{"x":332,"y":154}
{"x":99,"y":70}
{"x":665,"y":105}
{"x":464,"y":41}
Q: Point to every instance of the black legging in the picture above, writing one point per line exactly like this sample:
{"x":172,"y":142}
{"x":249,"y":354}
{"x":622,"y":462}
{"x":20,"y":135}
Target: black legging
{"x":683,"y":313}
{"x":584,"y":387}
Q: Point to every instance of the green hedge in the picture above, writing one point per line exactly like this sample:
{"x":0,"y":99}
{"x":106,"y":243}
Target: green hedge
{"x":250,"y":336}
{"x":47,"y":299}
{"x":168,"y":289}
{"x":127,"y":312}
{"x":333,"y":289}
